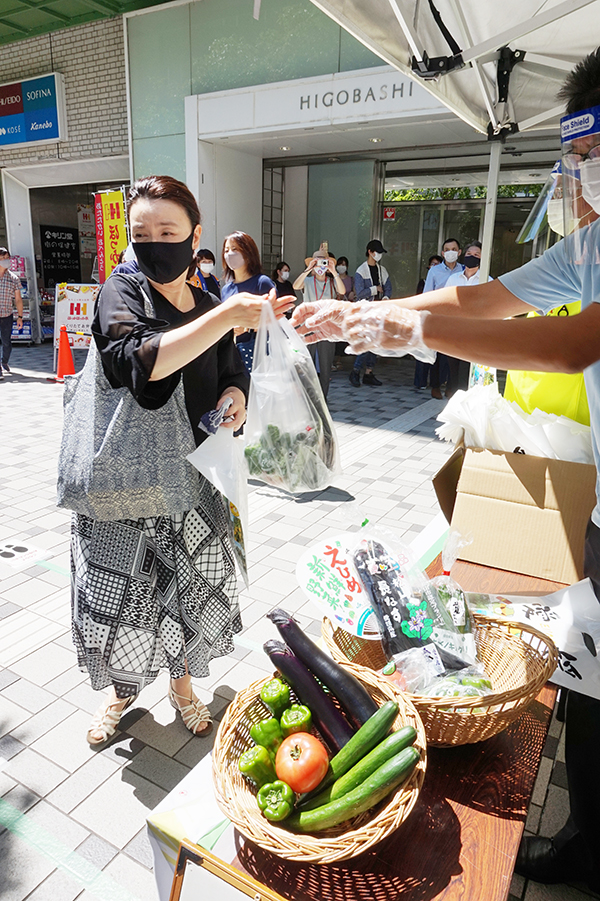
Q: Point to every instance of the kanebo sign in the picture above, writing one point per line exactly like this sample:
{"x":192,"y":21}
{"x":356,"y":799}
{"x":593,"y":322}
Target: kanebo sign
{"x":362,"y":96}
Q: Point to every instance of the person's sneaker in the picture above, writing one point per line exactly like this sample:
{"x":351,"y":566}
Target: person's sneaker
{"x":6,"y":367}
{"x":1,"y":375}
{"x":370,"y":379}
{"x":354,"y":378}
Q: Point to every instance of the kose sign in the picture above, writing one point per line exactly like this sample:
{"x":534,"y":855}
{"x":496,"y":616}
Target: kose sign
{"x":32,"y":110}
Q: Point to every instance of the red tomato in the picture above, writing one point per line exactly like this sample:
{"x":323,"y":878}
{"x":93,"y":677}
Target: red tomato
{"x":301,"y":761}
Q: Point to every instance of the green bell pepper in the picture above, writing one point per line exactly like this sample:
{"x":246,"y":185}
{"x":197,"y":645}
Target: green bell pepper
{"x":297,"y":719}
{"x":276,"y":800}
{"x":276,"y":695}
{"x":256,"y":764}
{"x":268,"y":734}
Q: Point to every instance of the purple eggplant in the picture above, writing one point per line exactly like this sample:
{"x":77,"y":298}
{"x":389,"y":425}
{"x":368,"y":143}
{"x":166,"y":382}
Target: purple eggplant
{"x":328,"y":719}
{"x":355,"y":700}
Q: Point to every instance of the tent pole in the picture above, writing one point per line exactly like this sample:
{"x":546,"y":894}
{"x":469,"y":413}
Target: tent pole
{"x":490,"y":210}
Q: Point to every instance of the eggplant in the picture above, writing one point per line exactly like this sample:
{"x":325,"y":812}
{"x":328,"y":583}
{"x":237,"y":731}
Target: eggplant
{"x":355,"y":700}
{"x":327,"y":718}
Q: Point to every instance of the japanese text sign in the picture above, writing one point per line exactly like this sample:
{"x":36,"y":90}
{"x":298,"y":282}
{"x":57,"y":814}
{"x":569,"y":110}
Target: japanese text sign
{"x":571,"y":617}
{"x":60,"y":254}
{"x":328,"y":577}
{"x":111,"y":230}
{"x":74,"y":308}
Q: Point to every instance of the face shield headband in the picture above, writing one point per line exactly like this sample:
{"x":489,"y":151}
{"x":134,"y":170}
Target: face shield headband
{"x":580,"y":144}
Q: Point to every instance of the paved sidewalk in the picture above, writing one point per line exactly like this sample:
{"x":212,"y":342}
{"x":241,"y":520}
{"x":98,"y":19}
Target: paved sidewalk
{"x":77,"y":818}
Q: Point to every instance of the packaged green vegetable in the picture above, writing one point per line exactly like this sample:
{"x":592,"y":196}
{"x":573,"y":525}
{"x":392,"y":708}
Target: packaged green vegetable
{"x":290,"y":438}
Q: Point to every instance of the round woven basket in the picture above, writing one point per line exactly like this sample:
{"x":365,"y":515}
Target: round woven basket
{"x":237,"y":799}
{"x":517,"y":658}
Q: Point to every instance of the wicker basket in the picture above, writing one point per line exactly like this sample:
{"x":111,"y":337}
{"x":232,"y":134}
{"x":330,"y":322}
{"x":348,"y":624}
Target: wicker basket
{"x":238,"y":802}
{"x":517,"y":658}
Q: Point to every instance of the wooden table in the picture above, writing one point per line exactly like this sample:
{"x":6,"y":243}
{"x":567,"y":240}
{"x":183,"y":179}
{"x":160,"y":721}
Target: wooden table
{"x":461,"y":840}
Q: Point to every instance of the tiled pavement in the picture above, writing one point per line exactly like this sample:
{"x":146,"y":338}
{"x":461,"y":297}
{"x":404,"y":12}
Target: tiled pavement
{"x":75,"y":819}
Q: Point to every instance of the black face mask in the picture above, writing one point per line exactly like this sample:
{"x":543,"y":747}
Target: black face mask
{"x":471,"y":262}
{"x":163,"y":261}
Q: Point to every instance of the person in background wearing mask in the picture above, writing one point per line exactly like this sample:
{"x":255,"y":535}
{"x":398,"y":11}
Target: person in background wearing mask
{"x":458,"y":375}
{"x":281,"y":278}
{"x":437,"y":278}
{"x":204,"y":276}
{"x":242,"y":273}
{"x":321,"y":281}
{"x":10,"y":296}
{"x":342,"y":269}
{"x":422,"y":370}
{"x":371,"y":282}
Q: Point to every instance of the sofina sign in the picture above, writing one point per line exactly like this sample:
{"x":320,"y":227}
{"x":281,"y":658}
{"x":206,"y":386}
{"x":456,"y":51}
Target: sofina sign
{"x":32,"y":111}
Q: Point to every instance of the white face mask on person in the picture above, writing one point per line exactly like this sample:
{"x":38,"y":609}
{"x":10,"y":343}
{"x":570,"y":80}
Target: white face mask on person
{"x":341,"y":269}
{"x":207,"y":268}
{"x":5,"y":264}
{"x":376,"y":255}
{"x":589,"y":174}
{"x":285,"y":274}
{"x":451,"y":256}
{"x":234,"y":259}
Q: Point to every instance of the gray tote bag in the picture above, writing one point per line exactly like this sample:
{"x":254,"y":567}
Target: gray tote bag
{"x":118,"y":460}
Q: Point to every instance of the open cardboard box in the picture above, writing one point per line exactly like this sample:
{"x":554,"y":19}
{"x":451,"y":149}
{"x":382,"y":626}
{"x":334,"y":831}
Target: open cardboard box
{"x":526,"y":514}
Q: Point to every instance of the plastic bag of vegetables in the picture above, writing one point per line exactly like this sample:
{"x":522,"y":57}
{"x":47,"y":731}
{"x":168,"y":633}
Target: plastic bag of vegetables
{"x":408,"y":614}
{"x":290,"y":437}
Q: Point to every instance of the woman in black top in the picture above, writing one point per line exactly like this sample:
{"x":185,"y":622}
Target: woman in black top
{"x":160,"y":592}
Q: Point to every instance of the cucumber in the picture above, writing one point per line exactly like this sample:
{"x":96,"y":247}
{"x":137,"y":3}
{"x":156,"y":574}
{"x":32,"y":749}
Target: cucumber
{"x":363,"y":741}
{"x":379,"y":784}
{"x":389,"y":747}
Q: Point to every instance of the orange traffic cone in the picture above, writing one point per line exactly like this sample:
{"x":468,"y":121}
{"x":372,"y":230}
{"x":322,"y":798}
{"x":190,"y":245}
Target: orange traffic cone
{"x":66,"y":366}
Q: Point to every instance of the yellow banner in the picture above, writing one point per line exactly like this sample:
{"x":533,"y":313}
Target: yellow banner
{"x":111,"y":230}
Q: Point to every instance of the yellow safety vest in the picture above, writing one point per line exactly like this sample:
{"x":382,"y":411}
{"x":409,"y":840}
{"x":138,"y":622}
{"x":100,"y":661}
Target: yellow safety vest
{"x":554,"y":392}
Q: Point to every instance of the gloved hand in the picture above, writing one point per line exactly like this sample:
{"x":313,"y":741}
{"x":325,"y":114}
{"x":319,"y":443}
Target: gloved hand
{"x":321,"y":320}
{"x":386,"y":329}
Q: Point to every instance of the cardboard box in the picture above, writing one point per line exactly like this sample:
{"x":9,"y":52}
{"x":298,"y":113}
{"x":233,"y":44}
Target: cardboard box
{"x":526,"y":514}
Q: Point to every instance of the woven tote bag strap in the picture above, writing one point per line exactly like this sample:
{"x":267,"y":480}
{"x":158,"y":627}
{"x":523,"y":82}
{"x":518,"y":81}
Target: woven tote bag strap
{"x":148,"y":305}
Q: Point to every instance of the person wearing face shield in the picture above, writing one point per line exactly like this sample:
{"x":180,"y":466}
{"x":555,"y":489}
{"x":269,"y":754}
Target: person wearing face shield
{"x":371,"y":282}
{"x":156,"y":589}
{"x":321,"y":281}
{"x":10,"y":297}
{"x":472,"y":322}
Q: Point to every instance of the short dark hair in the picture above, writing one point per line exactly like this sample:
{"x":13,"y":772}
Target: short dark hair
{"x":473,"y":244}
{"x":164,"y":187}
{"x":205,"y":254}
{"x":4,"y":252}
{"x":433,"y":257}
{"x":343,"y":260}
{"x":581,"y":88}
{"x":277,"y":269}
{"x":247,"y":247}
{"x":449,"y":240}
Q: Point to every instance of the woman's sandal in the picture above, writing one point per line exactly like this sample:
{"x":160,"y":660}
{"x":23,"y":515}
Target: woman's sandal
{"x":105,"y":721}
{"x":195,"y":715}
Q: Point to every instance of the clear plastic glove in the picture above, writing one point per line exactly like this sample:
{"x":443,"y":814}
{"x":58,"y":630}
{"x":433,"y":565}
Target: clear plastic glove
{"x":321,"y":320}
{"x":386,"y":329}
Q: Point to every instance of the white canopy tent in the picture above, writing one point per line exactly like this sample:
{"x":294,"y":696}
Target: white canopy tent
{"x":500,"y":78}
